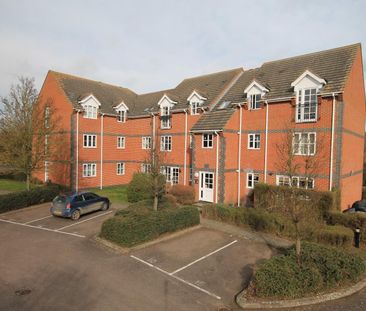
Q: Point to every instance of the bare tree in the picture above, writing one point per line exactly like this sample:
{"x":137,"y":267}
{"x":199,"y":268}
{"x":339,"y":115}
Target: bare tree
{"x":26,"y":129}
{"x":300,"y":157}
{"x":157,"y":179}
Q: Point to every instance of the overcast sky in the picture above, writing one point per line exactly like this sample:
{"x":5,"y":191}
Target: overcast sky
{"x":153,"y":45}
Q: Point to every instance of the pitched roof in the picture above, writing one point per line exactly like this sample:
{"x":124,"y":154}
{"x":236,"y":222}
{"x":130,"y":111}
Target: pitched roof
{"x":332,"y":65}
{"x":213,"y":120}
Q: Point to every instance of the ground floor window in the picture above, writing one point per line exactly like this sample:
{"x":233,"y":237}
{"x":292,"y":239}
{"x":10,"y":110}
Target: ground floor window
{"x":145,"y":168}
{"x":297,"y":181}
{"x":89,"y":170}
{"x":171,"y":174}
{"x":120,"y":168}
{"x":252,"y":179}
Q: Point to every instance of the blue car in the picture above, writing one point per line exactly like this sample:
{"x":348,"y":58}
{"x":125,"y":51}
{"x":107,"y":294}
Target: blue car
{"x":76,"y":204}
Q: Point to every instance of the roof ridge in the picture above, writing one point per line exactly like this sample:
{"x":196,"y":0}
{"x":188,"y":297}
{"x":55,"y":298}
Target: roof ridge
{"x":91,"y":80}
{"x":311,"y":53}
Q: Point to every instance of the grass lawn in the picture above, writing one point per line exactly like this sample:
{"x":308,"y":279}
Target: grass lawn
{"x":12,"y":185}
{"x":117,"y":194}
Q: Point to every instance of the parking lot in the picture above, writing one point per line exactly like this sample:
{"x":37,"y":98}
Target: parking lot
{"x":40,"y":218}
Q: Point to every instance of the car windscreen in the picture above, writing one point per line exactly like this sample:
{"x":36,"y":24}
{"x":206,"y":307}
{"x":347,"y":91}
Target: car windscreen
{"x":60,"y":199}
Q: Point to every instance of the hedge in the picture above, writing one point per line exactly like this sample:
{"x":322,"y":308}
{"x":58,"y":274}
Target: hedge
{"x":321,"y":268}
{"x":184,"y":194}
{"x":138,"y":224}
{"x":349,"y":220}
{"x":336,"y":236}
{"x":21,"y":199}
{"x":270,"y":197}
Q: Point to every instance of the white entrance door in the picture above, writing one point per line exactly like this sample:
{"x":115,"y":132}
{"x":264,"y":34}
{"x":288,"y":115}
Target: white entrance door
{"x":206,"y":188}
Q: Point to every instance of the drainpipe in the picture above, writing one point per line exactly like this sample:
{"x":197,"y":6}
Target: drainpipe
{"x":77,"y":151}
{"x":266,"y":145}
{"x":153,"y":132}
{"x":239,"y":152}
{"x":332,"y":145}
{"x":185,"y":147}
{"x":101,"y":149}
{"x":217,"y":167}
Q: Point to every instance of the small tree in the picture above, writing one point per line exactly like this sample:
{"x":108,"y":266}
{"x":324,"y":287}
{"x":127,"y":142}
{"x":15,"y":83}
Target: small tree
{"x":26,"y":128}
{"x":296,"y":205}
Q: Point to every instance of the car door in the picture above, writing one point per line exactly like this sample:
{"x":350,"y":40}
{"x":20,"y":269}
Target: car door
{"x":92,"y":202}
{"x":78,"y":203}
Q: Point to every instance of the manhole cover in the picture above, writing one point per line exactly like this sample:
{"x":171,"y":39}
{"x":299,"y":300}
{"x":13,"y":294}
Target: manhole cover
{"x":23,"y":291}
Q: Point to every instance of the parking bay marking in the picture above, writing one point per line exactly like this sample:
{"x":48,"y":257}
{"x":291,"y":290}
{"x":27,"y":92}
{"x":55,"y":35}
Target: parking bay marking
{"x":83,"y":221}
{"x":39,"y":228}
{"x":28,"y":222}
{"x":176,"y":277}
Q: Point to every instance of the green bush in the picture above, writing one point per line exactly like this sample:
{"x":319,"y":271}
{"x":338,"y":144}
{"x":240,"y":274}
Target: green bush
{"x":350,"y":220}
{"x":138,"y":223}
{"x":184,"y":194}
{"x":17,"y":200}
{"x":335,"y":235}
{"x":139,"y":188}
{"x":321,"y":268}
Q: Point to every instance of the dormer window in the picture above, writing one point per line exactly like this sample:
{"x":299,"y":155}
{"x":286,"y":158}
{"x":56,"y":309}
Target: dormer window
{"x":90,"y":105}
{"x":195,"y":100}
{"x":121,"y":110}
{"x":255,"y":92}
{"x":306,"y":88}
{"x":165,"y":104}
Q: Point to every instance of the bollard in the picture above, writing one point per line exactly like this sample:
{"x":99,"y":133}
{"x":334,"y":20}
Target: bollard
{"x":357,"y":237}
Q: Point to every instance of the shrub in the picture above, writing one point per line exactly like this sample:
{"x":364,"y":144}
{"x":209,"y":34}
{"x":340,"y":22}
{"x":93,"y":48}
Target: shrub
{"x":17,"y":200}
{"x":167,"y":201}
{"x":351,"y":220}
{"x":321,"y":268}
{"x":184,"y":194}
{"x":139,"y":188}
{"x":335,"y":236}
{"x":138,"y":224}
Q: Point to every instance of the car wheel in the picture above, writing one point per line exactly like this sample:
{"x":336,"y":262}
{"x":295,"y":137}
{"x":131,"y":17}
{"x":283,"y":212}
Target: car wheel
{"x":105,"y":206}
{"x":75,"y":215}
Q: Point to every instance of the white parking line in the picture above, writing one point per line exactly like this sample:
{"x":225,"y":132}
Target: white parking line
{"x":39,"y":228}
{"x":175,"y":277}
{"x":79,"y":222}
{"x":203,"y":257}
{"x":28,"y":222}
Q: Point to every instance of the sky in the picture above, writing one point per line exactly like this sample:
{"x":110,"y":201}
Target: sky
{"x":153,"y":45}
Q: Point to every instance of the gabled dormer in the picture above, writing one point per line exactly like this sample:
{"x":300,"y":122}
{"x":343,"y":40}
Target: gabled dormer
{"x":255,"y":91}
{"x":165,"y":105}
{"x":195,"y":100}
{"x":121,"y":110}
{"x":90,"y":105}
{"x":306,"y":87}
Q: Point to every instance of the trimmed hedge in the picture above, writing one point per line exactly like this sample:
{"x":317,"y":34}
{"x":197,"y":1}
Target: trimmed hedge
{"x":138,"y":224}
{"x":184,"y":194}
{"x":321,"y":268}
{"x":336,"y":236}
{"x":271,"y":197}
{"x":349,"y":220}
{"x":18,"y":200}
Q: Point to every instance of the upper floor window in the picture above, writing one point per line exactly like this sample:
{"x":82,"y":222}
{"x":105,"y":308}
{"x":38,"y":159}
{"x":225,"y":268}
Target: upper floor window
{"x":296,"y":181}
{"x":120,"y":168}
{"x":90,"y":111}
{"x":146,"y":142}
{"x":207,"y":141}
{"x":254,"y":141}
{"x":195,"y":100}
{"x":195,"y":108}
{"x":165,"y":117}
{"x":122,"y":116}
{"x":166,"y":143}
{"x":306,"y":105}
{"x":121,"y":142}
{"x":254,"y":101}
{"x":90,"y":141}
{"x":304,"y":143}
{"x":252,"y":179}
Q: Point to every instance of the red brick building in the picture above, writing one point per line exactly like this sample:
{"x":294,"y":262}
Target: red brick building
{"x":220,"y":132}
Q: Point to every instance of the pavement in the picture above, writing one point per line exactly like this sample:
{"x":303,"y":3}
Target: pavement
{"x":49,"y":263}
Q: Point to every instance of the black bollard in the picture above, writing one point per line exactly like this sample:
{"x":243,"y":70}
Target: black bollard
{"x":357,"y":238}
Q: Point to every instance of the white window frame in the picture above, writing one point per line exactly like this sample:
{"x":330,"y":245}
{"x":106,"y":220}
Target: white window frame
{"x":195,"y":106}
{"x":165,"y":114}
{"x":120,"y":168}
{"x":122,"y":115}
{"x":146,"y":168}
{"x":166,"y":143}
{"x":254,"y":101}
{"x":89,"y":141}
{"x":303,"y":146}
{"x":121,"y":142}
{"x":283,"y":180}
{"x":301,"y":102}
{"x":146,"y":142}
{"x":171,"y":174}
{"x":89,"y":170}
{"x":208,"y":140}
{"x":90,"y":111}
{"x":254,"y":141}
{"x":252,"y":179}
